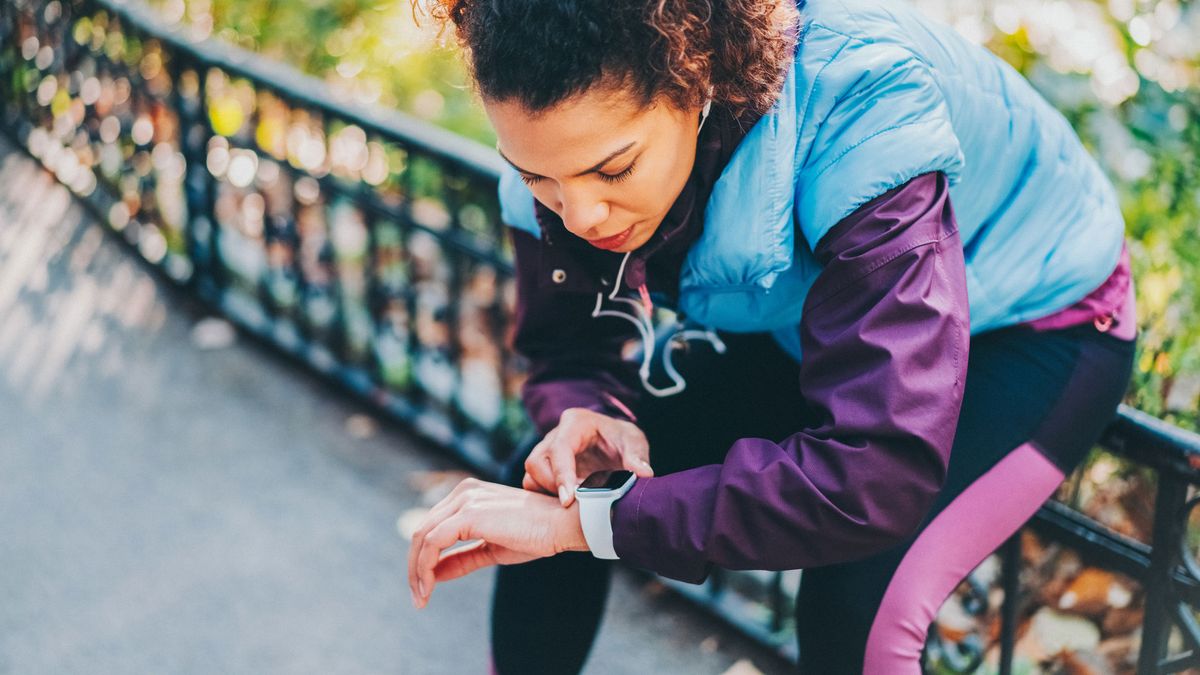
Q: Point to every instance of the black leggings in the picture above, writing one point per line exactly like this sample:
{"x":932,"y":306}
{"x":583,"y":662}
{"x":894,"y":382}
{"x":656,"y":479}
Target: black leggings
{"x":1034,"y":404}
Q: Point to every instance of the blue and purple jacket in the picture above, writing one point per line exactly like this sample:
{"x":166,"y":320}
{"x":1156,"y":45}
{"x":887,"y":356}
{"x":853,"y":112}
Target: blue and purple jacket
{"x":877,"y":300}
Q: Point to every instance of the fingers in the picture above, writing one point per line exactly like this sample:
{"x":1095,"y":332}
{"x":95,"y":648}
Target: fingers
{"x":639,"y":467}
{"x":416,"y":587}
{"x":517,"y":525}
{"x":461,"y":562}
{"x":539,"y":476}
{"x":530,"y":483}
{"x":635,"y":452}
{"x":440,"y":538}
{"x":550,"y":467}
{"x":562,"y":462}
{"x":561,"y":459}
{"x":438,"y":514}
{"x":466,"y":559}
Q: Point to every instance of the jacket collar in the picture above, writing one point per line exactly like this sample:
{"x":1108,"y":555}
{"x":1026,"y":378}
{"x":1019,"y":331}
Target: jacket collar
{"x":748,"y":234}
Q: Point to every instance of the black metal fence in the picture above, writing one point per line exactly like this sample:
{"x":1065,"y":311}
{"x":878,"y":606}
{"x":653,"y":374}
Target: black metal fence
{"x":369,"y":245}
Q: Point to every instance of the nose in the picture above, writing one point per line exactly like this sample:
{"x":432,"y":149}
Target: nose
{"x":583,"y":213}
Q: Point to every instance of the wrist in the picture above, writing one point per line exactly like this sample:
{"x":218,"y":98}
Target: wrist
{"x":570,"y":530}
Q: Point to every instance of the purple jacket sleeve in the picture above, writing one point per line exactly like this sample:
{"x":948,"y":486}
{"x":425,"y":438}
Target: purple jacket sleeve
{"x":574,"y":359}
{"x":884,"y":336}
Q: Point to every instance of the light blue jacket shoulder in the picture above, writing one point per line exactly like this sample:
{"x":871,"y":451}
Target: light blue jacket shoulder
{"x":879,"y":94}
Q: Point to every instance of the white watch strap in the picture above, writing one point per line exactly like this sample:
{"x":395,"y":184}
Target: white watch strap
{"x":595,"y":515}
{"x":595,"y":518}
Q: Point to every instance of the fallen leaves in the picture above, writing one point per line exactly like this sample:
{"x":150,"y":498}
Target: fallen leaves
{"x":1074,"y":619}
{"x":361,"y":427}
{"x":213,"y":333}
{"x":743,"y":667}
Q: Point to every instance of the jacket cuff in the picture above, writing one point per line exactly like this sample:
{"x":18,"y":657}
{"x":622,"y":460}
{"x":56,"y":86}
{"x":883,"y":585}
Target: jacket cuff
{"x":642,"y":534}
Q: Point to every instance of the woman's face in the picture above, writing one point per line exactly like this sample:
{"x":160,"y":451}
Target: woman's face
{"x":608,"y":166}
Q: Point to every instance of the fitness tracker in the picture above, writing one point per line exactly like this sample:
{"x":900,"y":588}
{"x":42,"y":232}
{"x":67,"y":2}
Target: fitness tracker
{"x":596,"y":495}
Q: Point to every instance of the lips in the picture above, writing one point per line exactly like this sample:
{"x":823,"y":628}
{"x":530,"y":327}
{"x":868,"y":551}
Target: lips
{"x":613,"y":241}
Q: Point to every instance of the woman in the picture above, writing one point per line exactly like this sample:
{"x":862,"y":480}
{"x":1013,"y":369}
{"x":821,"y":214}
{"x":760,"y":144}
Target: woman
{"x":909,"y":305}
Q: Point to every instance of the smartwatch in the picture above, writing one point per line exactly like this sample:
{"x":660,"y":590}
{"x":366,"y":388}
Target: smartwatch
{"x":596,"y":495}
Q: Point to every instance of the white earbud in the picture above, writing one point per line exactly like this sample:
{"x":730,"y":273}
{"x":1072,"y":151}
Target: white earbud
{"x":705,"y":110}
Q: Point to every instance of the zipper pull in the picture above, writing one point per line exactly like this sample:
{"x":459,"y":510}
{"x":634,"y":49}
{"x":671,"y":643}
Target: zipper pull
{"x":646,"y":299}
{"x":616,"y":403}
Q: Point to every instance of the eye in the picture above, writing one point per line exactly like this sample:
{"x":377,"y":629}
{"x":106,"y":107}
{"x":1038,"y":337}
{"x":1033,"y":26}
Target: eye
{"x":530,"y":180}
{"x":617,"y":177}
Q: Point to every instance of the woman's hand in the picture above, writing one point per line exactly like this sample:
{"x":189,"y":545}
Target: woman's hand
{"x":514,"y":526}
{"x":585,"y":441}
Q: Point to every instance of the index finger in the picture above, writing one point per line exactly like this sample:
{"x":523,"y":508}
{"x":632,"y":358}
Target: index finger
{"x":562,"y":463}
{"x":539,"y":474}
{"x":635,"y":453}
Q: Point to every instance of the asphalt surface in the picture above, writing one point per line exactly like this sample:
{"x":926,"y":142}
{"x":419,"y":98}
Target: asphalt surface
{"x":176,"y":499}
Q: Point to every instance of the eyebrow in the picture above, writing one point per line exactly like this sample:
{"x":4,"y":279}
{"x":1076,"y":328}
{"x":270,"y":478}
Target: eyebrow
{"x":595,"y":167}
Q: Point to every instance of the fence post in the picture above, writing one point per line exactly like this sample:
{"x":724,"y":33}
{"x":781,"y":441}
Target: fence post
{"x":201,"y":231}
{"x":1164,"y":559}
{"x":1010,"y":572}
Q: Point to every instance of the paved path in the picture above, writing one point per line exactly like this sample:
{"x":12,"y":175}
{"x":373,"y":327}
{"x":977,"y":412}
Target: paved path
{"x":171,"y":509}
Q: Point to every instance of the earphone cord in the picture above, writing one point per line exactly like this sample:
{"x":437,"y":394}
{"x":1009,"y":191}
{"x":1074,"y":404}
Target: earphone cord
{"x":642,"y":316}
{"x":642,"y":320}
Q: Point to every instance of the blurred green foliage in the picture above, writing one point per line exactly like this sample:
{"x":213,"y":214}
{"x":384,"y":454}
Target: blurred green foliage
{"x":374,"y":50}
{"x":1126,"y":73}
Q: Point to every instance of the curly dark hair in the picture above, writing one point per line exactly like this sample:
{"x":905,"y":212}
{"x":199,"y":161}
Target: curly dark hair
{"x":542,"y":52}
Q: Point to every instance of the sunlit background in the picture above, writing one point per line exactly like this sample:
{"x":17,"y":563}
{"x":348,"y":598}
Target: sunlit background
{"x":1125,"y":72}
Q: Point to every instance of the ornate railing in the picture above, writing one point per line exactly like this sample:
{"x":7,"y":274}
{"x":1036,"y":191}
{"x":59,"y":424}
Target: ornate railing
{"x":369,"y":246}
{"x":364,"y":242}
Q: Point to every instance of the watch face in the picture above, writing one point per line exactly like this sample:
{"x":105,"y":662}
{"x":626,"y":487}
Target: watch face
{"x":604,"y":480}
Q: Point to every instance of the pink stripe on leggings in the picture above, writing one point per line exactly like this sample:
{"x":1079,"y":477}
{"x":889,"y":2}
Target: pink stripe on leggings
{"x":959,"y":538}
